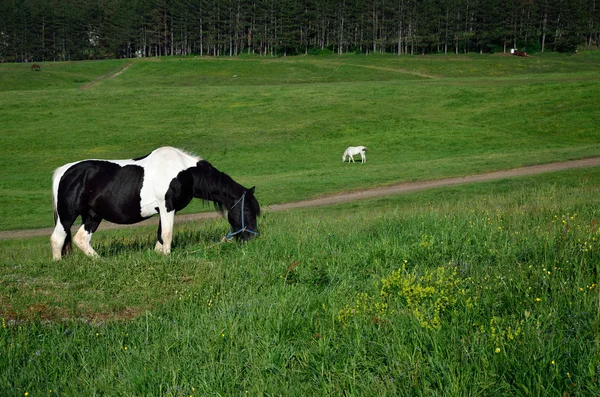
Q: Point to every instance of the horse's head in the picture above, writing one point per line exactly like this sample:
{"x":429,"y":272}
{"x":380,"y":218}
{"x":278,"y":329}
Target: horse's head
{"x":208,"y":183}
{"x":242,"y":216}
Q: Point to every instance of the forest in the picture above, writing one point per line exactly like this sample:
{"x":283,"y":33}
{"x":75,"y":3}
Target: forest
{"x":62,"y":30}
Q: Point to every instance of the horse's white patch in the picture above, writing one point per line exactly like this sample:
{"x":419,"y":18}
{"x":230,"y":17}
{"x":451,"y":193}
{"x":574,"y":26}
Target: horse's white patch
{"x":57,"y":239}
{"x":82,"y":240}
{"x":160,"y":168}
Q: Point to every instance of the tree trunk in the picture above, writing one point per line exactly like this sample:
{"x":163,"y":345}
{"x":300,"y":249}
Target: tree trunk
{"x":374,"y":31}
{"x":544,"y":30}
{"x":446,"y":35}
{"x":400,"y":39}
{"x":341,"y":43}
{"x":591,"y":24}
{"x":558,"y":31}
{"x":456,"y":34}
{"x":412,"y":39}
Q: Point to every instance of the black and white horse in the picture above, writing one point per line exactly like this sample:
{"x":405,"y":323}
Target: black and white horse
{"x":129,"y":191}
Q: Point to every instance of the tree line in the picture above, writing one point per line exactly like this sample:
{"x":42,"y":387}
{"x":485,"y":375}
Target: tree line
{"x":53,"y":30}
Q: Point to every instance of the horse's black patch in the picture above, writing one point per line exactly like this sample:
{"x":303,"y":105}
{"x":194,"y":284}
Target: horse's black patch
{"x":180,"y":192}
{"x":100,"y":189}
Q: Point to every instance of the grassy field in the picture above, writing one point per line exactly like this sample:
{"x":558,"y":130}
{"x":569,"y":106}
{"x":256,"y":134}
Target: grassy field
{"x":483,"y":289}
{"x":486,"y":289}
{"x":282,"y":124}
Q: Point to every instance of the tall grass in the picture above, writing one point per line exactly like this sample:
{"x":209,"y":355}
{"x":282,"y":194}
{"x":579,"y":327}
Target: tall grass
{"x":325,"y":301}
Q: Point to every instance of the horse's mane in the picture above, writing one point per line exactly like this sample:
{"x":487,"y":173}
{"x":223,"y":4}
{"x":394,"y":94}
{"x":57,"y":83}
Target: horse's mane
{"x":220,"y":188}
{"x":189,"y":154}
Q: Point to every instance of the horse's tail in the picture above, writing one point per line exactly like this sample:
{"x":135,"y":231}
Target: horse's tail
{"x":66,"y":248}
{"x":55,"y":182}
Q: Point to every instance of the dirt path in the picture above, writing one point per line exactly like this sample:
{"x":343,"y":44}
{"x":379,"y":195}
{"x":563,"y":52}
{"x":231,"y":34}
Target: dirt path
{"x":346,"y":197}
{"x":404,"y":71}
{"x":110,"y":75}
{"x":387,"y":69}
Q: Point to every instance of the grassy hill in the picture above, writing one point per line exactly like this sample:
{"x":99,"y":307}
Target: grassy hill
{"x":282,"y":124}
{"x":482,"y":289}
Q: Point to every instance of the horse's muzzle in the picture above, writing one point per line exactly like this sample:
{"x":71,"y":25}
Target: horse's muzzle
{"x":247,"y":235}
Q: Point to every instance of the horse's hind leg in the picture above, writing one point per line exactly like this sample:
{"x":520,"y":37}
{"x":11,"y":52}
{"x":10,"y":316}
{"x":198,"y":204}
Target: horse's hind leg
{"x":61,"y":236}
{"x":60,"y":241}
{"x":84,"y":235}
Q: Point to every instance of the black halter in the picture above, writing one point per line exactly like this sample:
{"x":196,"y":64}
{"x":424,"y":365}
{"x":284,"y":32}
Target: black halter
{"x":230,"y":233}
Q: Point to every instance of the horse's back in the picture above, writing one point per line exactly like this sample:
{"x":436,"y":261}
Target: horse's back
{"x":355,"y":149}
{"x":168,"y":157}
{"x":164,"y":159}
{"x":59,"y":173}
{"x":164,"y":164}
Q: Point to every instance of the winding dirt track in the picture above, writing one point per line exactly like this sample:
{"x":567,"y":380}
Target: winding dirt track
{"x":110,"y":75}
{"x":345,"y":197}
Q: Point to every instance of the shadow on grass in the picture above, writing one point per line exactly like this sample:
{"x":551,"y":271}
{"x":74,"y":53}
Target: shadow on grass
{"x":184,"y":240}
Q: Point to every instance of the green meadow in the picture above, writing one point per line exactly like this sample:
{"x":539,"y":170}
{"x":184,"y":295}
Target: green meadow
{"x":483,"y":289}
{"x":282,"y":124}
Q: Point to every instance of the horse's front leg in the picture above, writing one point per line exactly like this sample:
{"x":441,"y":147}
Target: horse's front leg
{"x":159,"y":241}
{"x":165,"y":231}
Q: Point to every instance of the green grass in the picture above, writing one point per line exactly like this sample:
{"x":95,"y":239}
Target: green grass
{"x":482,"y":289}
{"x":298,"y":310}
{"x":52,"y":75}
{"x":283,"y":123}
{"x":199,"y":72}
{"x":540,"y":66}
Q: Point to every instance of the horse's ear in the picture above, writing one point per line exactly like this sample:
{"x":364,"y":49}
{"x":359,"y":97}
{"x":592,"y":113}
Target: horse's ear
{"x":251,"y":190}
